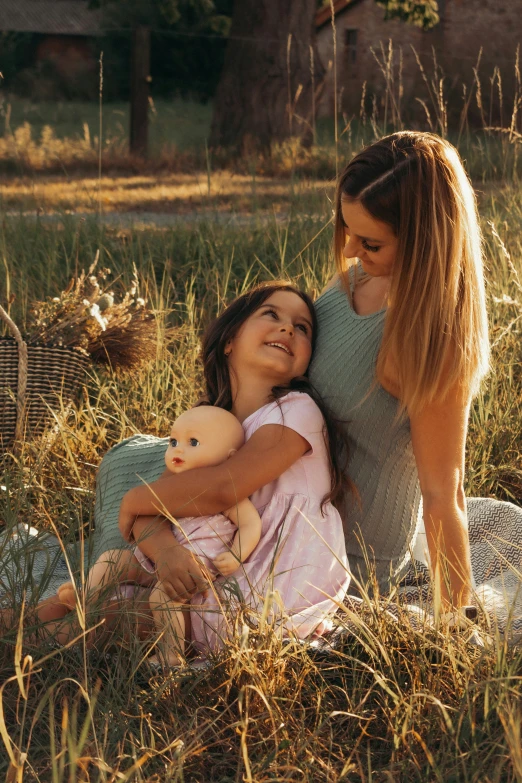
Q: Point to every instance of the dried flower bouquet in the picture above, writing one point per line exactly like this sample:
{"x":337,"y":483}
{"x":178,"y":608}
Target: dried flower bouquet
{"x":88,"y":316}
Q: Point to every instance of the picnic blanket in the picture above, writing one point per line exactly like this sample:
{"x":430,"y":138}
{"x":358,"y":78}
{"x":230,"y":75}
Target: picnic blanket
{"x":33,"y":564}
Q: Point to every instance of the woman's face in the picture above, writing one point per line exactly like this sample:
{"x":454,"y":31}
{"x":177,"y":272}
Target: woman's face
{"x":275,"y":341}
{"x":368,"y":239}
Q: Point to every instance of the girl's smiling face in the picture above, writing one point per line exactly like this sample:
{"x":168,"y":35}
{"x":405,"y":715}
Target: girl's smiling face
{"x":368,"y":239}
{"x":275,"y":341}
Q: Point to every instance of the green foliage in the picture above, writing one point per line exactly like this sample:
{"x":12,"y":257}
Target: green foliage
{"x":420,"y":14}
{"x":188,"y":39}
{"x":16,"y":52}
{"x":155,"y":13}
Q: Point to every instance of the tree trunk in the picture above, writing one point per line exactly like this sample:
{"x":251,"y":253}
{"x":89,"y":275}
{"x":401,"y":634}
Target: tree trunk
{"x":265,"y":93}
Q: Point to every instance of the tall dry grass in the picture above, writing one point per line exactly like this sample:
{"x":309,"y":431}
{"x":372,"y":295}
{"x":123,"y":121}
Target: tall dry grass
{"x":488,"y":131}
{"x":394,"y":702}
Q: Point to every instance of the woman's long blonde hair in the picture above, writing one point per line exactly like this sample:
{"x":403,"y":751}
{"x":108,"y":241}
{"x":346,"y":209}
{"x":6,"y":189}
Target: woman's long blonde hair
{"x":435,"y":330}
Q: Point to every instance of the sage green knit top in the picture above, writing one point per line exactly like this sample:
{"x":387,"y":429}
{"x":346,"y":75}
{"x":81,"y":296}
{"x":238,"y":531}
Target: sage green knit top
{"x":381,"y":464}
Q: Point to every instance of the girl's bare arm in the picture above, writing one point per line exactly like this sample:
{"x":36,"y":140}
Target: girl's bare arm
{"x":271,"y":450}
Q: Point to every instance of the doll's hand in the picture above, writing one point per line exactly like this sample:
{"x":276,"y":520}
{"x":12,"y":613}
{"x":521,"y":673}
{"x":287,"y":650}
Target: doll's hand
{"x":226,"y":563}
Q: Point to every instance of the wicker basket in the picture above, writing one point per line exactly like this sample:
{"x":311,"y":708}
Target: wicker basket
{"x":34,"y":381}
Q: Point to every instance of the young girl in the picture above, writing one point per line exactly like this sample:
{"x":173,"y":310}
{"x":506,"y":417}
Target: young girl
{"x":203,"y":436}
{"x":255,"y":357}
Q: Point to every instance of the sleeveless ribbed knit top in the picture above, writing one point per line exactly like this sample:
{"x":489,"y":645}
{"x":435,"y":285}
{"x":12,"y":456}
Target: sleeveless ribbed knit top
{"x":382,"y":465}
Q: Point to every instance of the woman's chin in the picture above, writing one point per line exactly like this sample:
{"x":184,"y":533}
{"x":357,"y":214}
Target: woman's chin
{"x":369,"y":267}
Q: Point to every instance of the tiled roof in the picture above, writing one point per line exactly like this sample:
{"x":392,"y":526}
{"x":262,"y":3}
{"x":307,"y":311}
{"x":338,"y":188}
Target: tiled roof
{"x":324,"y":14}
{"x":63,"y":17}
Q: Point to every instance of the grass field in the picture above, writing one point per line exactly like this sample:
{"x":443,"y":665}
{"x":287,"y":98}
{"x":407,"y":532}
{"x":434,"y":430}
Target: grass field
{"x":395,"y":703}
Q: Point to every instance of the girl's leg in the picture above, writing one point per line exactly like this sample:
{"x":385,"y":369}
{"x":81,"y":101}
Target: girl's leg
{"x":170,"y":620}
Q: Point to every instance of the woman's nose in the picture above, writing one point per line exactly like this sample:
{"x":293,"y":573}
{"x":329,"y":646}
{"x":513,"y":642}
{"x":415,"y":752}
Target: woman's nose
{"x":351,"y":248}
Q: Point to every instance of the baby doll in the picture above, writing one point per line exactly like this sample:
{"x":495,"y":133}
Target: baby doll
{"x":201,"y":437}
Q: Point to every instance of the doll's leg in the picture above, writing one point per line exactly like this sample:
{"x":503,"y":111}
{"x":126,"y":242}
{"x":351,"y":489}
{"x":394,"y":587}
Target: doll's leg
{"x":169,"y":618}
{"x":116,"y":566}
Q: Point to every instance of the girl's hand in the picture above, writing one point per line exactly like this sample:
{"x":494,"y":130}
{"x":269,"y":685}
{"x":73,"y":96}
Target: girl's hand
{"x":177,"y":569}
{"x":226,"y":563}
{"x":126,"y":521}
{"x":180,"y":574}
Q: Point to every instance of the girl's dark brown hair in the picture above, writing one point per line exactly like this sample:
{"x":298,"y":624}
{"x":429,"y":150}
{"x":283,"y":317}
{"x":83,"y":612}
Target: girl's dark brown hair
{"x":219,"y":389}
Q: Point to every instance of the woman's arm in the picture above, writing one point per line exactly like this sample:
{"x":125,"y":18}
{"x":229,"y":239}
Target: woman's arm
{"x":270,"y":451}
{"x":438,"y":435}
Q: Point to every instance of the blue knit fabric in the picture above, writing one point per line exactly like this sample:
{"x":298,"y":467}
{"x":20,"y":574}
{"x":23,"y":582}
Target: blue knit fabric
{"x":136,"y":460}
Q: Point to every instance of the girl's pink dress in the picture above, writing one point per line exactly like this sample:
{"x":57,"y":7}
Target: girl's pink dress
{"x":301,"y":557}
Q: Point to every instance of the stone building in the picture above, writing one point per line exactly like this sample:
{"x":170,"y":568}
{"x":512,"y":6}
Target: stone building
{"x":466,"y":28}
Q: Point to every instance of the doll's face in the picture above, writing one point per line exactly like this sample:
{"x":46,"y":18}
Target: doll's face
{"x":203,"y":437}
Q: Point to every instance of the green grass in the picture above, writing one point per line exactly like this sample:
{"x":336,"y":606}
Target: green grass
{"x":180,"y":124}
{"x":396,"y":704}
{"x":62,"y":137}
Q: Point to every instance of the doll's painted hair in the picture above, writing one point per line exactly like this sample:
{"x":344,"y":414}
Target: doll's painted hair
{"x":435,"y":330}
{"x":217,"y":375}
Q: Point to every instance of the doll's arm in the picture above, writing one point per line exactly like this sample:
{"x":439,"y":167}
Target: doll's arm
{"x":248,"y":521}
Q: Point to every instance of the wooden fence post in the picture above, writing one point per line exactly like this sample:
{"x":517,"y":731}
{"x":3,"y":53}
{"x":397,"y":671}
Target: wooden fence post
{"x":140,"y":80}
